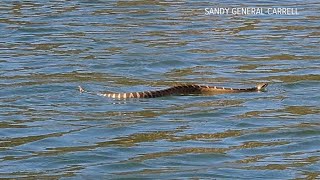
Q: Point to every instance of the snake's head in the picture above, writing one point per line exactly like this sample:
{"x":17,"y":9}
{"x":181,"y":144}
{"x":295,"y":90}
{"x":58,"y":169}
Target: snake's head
{"x":262,"y":86}
{"x":81,"y":90}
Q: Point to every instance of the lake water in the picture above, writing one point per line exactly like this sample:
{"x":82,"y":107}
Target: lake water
{"x":49,"y":130}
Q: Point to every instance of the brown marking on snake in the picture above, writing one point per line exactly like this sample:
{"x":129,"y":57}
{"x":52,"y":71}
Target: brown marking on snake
{"x":157,"y":93}
{"x":180,"y":90}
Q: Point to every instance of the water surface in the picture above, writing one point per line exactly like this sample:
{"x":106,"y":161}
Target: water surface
{"x":49,"y":130}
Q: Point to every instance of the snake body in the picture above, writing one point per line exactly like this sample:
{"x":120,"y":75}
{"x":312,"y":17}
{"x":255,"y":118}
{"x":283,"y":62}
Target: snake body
{"x":180,"y":90}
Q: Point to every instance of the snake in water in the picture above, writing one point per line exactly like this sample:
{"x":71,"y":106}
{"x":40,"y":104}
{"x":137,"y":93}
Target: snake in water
{"x":179,"y":90}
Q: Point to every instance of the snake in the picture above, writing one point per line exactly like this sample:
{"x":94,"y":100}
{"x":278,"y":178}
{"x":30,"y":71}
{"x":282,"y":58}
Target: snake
{"x":185,"y":89}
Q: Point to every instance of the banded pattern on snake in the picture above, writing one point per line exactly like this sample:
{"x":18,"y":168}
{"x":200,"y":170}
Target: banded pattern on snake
{"x":180,"y":90}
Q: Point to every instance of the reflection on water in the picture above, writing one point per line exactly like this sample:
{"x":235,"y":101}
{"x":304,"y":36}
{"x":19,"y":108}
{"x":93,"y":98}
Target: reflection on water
{"x":49,"y":130}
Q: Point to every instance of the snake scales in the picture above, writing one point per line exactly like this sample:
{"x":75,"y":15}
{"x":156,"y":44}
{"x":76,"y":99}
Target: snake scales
{"x":179,"y":90}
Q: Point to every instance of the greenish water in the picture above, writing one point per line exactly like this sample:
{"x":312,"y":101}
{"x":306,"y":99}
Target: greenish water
{"x":49,"y":130}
